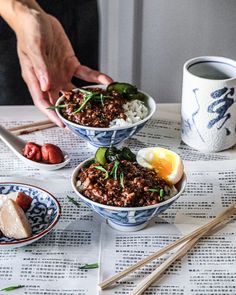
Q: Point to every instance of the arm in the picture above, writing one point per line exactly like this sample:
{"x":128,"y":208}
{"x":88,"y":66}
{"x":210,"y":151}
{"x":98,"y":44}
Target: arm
{"x":46,"y":56}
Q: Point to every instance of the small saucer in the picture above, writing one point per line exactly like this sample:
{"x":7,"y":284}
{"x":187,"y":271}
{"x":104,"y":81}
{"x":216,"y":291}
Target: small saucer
{"x":43,"y":213}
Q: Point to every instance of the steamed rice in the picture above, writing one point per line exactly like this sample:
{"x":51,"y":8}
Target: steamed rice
{"x":135,"y":111}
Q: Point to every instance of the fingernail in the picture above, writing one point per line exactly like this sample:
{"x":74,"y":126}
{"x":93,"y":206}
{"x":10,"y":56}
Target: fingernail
{"x":43,"y":83}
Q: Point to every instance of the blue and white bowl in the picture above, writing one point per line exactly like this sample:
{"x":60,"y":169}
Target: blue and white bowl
{"x":127,"y":218}
{"x":43,"y":213}
{"x":99,"y":137}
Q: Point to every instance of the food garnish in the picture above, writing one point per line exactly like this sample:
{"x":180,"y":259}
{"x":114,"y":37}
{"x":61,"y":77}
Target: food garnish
{"x":122,"y":179}
{"x":114,"y":170}
{"x":11,"y":288}
{"x":89,"y":266}
{"x":60,"y":106}
{"x":126,"y":90}
{"x":73,"y":201}
{"x":103,"y":170}
{"x":100,"y":155}
{"x":91,"y":95}
{"x":105,"y":154}
{"x":166,"y":163}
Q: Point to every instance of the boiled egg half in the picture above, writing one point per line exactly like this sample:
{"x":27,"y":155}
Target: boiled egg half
{"x":166,"y":163}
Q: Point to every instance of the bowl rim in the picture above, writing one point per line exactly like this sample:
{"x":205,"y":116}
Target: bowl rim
{"x":46,"y":230}
{"x":114,"y":208}
{"x":152,"y":111}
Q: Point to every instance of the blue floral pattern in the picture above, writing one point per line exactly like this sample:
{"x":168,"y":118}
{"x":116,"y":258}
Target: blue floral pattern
{"x":44,"y":209}
{"x":100,"y":138}
{"x":129,"y":218}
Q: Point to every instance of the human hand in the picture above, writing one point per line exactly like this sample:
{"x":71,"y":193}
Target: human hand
{"x":48,"y":61}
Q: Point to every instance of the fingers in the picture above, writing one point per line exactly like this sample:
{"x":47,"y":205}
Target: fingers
{"x":39,"y":63}
{"x":39,"y":98}
{"x":87,"y":74}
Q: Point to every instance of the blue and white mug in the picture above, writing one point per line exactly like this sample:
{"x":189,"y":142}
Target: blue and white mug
{"x":208,"y":106}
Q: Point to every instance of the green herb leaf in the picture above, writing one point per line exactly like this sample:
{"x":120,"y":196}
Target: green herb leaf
{"x":112,"y":154}
{"x":103,"y":170}
{"x":11,"y":288}
{"x":97,"y":96}
{"x":89,"y":266}
{"x":114,"y":169}
{"x":122,"y":179}
{"x":162,"y":193}
{"x":154,"y":190}
{"x":102,"y":99}
{"x":127,"y":155}
{"x":60,"y":106}
{"x":73,"y":201}
{"x":84,"y":91}
{"x":86,"y":99}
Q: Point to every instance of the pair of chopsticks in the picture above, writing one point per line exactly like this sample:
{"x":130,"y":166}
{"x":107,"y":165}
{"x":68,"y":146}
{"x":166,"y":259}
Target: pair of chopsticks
{"x":28,"y":128}
{"x":188,"y":242}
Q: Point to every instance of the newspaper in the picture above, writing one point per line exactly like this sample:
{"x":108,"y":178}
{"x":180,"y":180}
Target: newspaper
{"x":158,"y":131}
{"x":209,"y":268}
{"x":52,"y":264}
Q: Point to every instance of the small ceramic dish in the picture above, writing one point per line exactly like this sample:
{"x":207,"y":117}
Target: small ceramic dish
{"x":43,"y":213}
{"x":98,"y":136}
{"x":127,"y":218}
{"x":16,"y":145}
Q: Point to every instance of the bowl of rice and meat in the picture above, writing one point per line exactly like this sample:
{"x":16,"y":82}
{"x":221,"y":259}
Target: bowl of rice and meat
{"x":125,"y":193}
{"x":105,"y":115}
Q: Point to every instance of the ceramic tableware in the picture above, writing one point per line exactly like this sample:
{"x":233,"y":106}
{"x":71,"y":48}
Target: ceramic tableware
{"x":127,"y":218}
{"x":17,"y":144}
{"x":107,"y":136}
{"x":43,"y":213}
{"x":208,"y":107}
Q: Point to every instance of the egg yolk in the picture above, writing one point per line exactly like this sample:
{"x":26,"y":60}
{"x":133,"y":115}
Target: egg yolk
{"x":165,"y":165}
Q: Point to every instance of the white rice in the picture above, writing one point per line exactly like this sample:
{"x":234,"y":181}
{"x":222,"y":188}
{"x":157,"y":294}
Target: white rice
{"x":135,"y":111}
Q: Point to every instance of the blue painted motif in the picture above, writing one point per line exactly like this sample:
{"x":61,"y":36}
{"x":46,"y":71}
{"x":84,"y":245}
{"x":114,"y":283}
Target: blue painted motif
{"x":42,"y":212}
{"x":189,"y":124}
{"x":100,"y":138}
{"x":129,"y":218}
{"x":220,"y":107}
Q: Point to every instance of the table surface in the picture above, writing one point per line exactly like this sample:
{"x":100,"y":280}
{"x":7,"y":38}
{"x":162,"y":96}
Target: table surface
{"x":207,"y":181}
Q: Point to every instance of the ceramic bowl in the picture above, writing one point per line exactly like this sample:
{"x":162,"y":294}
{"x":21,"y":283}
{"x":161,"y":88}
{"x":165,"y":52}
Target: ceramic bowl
{"x":99,"y":137}
{"x":128,"y":218}
{"x":43,"y":213}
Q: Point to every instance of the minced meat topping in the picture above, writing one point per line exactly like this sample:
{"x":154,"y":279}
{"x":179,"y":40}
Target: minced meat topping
{"x":98,"y":111}
{"x":123,"y":184}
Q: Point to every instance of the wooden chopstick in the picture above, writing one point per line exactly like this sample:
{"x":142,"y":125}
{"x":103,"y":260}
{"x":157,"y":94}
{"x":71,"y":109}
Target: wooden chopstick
{"x":32,"y":127}
{"x":149,"y":280}
{"x":222,"y":216}
{"x":180,"y":253}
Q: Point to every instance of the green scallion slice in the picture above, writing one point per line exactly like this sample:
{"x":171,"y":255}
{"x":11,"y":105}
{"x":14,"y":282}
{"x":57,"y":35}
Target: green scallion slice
{"x":89,"y":266}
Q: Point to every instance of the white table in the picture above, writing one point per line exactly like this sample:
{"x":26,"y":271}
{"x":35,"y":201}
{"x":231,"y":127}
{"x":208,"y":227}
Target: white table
{"x":50,"y":266}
